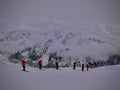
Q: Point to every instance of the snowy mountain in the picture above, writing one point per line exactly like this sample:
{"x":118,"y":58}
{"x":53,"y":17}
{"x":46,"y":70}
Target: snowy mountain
{"x":68,"y":41}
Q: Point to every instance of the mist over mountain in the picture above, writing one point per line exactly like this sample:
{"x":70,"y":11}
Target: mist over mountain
{"x":68,"y":41}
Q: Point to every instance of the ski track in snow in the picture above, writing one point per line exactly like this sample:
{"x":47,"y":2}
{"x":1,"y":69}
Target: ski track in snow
{"x":13,"y":78}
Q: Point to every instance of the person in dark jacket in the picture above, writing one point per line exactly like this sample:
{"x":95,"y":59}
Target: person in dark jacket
{"x":40,"y":64}
{"x":23,"y":63}
{"x":56,"y":65}
{"x":82,"y":67}
{"x":74,"y":65}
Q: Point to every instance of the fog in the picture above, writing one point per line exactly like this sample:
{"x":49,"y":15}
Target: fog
{"x":14,"y":13}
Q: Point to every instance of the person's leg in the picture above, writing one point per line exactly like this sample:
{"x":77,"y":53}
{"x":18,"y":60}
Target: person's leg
{"x":73,"y":67}
{"x":40,"y":66}
{"x":23,"y":68}
{"x":57,"y":66}
{"x":82,"y":68}
{"x":87,"y":69}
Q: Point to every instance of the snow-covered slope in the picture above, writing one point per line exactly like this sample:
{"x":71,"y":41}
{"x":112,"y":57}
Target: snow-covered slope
{"x":68,"y":40}
{"x":13,"y":78}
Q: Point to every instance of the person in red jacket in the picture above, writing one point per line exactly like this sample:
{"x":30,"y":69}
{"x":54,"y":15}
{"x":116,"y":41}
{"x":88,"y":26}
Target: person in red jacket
{"x":40,"y":64}
{"x":23,"y":63}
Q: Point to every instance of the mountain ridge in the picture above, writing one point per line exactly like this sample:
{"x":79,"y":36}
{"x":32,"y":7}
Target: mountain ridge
{"x":95,"y":41}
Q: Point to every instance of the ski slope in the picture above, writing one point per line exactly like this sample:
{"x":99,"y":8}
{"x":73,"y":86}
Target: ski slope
{"x":13,"y":78}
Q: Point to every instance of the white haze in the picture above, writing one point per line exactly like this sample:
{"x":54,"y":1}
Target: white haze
{"x":95,"y":18}
{"x":15,"y":13}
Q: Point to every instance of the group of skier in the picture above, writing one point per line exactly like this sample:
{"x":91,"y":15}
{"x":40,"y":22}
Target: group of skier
{"x":83,"y":66}
{"x":23,"y":63}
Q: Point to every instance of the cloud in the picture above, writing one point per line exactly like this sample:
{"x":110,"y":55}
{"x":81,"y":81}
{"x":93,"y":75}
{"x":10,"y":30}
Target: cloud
{"x":19,"y":12}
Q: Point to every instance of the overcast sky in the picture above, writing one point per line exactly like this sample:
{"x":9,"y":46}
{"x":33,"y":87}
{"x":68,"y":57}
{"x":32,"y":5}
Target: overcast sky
{"x":17,"y":12}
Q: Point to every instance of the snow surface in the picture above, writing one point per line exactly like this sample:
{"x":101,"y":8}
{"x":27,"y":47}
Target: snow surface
{"x":13,"y":78}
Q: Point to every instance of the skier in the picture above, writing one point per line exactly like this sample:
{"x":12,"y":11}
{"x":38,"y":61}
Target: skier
{"x":82,"y":67}
{"x":40,"y":64}
{"x":56,"y":64}
{"x":74,"y":65}
{"x":87,"y":66}
{"x":23,"y":63}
